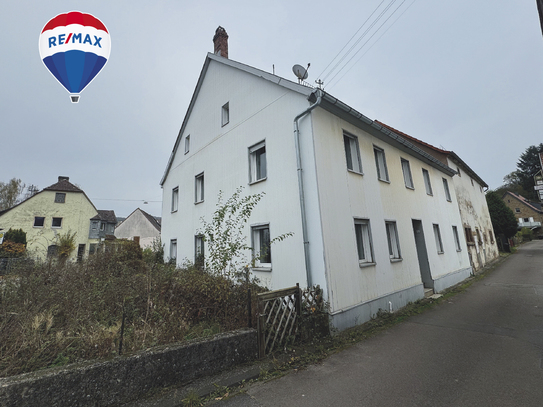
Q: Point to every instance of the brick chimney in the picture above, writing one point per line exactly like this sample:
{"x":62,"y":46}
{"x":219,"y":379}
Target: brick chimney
{"x":220,"y":42}
{"x":61,"y":178}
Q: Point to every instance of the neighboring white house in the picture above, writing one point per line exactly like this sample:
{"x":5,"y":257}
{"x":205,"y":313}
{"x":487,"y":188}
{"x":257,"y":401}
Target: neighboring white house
{"x":372,"y":220}
{"x":139,"y":226}
{"x":470,"y":193}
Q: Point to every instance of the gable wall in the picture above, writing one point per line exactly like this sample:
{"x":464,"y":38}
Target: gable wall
{"x":259,"y":110}
{"x":137,"y":225}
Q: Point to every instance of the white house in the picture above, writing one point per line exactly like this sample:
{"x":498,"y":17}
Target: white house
{"x":374,"y":219}
{"x":139,"y":226}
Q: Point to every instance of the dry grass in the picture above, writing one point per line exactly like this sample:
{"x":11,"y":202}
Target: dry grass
{"x":53,"y":314}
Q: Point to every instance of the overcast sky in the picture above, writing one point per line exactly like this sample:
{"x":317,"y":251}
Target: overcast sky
{"x":463,"y":75}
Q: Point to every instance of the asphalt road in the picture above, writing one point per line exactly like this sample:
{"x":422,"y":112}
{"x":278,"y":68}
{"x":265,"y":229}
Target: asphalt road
{"x":483,"y":347}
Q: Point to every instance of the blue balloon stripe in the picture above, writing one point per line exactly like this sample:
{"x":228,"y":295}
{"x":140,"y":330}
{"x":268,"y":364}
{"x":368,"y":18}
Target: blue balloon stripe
{"x":74,"y":69}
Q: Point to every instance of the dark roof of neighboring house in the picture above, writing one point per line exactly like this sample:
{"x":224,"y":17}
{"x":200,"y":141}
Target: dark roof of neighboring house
{"x":454,"y":157}
{"x":154,"y":221}
{"x":532,"y":205}
{"x":108,"y":216}
{"x":63,"y":185}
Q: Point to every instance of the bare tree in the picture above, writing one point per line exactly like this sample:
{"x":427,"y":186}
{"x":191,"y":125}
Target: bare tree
{"x":10,"y":193}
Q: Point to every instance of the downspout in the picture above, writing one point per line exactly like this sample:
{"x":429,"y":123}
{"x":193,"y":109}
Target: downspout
{"x":301,"y":185}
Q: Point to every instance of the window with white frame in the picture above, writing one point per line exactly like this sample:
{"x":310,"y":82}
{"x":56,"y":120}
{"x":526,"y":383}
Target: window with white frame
{"x":173,"y":249}
{"x":380,"y":162}
{"x":456,"y":239}
{"x":187,"y":144}
{"x":446,"y":188}
{"x":199,"y":251}
{"x":56,"y":223}
{"x":407,"y":178}
{"x":393,"y":241}
{"x":257,"y":162}
{"x":352,"y":153}
{"x":363,"y":241}
{"x":427,"y":184}
{"x":199,"y":188}
{"x":437,"y":235}
{"x":175,"y":199}
{"x":225,"y":114}
{"x":261,"y":246}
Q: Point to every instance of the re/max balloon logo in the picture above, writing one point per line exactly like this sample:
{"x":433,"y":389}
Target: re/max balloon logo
{"x":74,"y":47}
{"x":74,"y":37}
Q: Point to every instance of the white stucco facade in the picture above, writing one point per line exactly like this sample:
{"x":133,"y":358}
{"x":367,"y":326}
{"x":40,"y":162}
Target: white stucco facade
{"x":339,"y":202}
{"x":139,"y":224}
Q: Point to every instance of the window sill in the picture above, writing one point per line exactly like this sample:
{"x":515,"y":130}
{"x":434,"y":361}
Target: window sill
{"x":449,"y":200}
{"x":199,"y":202}
{"x":354,"y":172}
{"x":258,"y":181}
{"x":386,"y":181}
{"x":261,"y":269}
{"x":440,"y":252}
{"x":458,"y":251}
{"x":37,"y":227}
{"x":365,"y":264}
{"x":171,"y":212}
{"x":396,"y":260}
{"x":411,"y":188}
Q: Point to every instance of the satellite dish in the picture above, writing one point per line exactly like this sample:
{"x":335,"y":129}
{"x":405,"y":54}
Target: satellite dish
{"x":300,"y":71}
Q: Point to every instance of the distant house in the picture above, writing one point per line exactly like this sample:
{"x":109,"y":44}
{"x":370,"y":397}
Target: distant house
{"x":139,"y":226}
{"x":528,"y":213}
{"x":470,"y":194}
{"x":374,"y":221}
{"x":58,"y":209}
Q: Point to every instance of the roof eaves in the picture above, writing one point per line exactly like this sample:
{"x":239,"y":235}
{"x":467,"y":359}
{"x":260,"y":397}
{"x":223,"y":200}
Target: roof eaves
{"x":380,"y":131}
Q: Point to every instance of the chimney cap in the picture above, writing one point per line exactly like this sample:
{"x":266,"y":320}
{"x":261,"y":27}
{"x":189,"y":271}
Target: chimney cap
{"x":62,"y":178}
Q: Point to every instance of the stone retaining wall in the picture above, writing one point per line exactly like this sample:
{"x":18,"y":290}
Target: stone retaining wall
{"x":128,"y":378}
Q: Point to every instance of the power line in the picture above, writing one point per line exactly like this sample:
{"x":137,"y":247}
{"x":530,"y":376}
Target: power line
{"x":377,"y":40}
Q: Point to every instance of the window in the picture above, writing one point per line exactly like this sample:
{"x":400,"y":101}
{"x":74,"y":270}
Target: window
{"x":94,"y":225}
{"x":199,"y":188}
{"x":39,"y":221}
{"x":407,"y":178}
{"x":458,"y":171}
{"x":257,"y":162}
{"x":427,"y":183}
{"x":92,"y":248}
{"x":352,"y":153}
{"x":175,"y":199}
{"x":469,"y":235}
{"x":187,"y":144}
{"x":363,"y":241}
{"x":52,"y":250}
{"x":56,"y":223}
{"x":517,"y":210}
{"x":446,"y":188}
{"x":261,"y":246}
{"x":173,"y":249}
{"x":437,"y":235}
{"x":199,"y":251}
{"x":102,"y":226}
{"x":225,"y":116}
{"x":60,"y":197}
{"x":456,"y":239}
{"x":380,"y":162}
{"x":471,"y":179}
{"x":393,"y":241}
{"x":491,"y":236}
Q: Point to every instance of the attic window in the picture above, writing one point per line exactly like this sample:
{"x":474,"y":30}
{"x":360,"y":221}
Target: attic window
{"x":56,"y":223}
{"x":39,"y":221}
{"x":60,"y":197}
{"x":187,"y":144}
{"x":225,"y":116}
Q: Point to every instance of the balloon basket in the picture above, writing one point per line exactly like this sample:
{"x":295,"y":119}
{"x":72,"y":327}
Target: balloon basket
{"x":74,"y":98}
